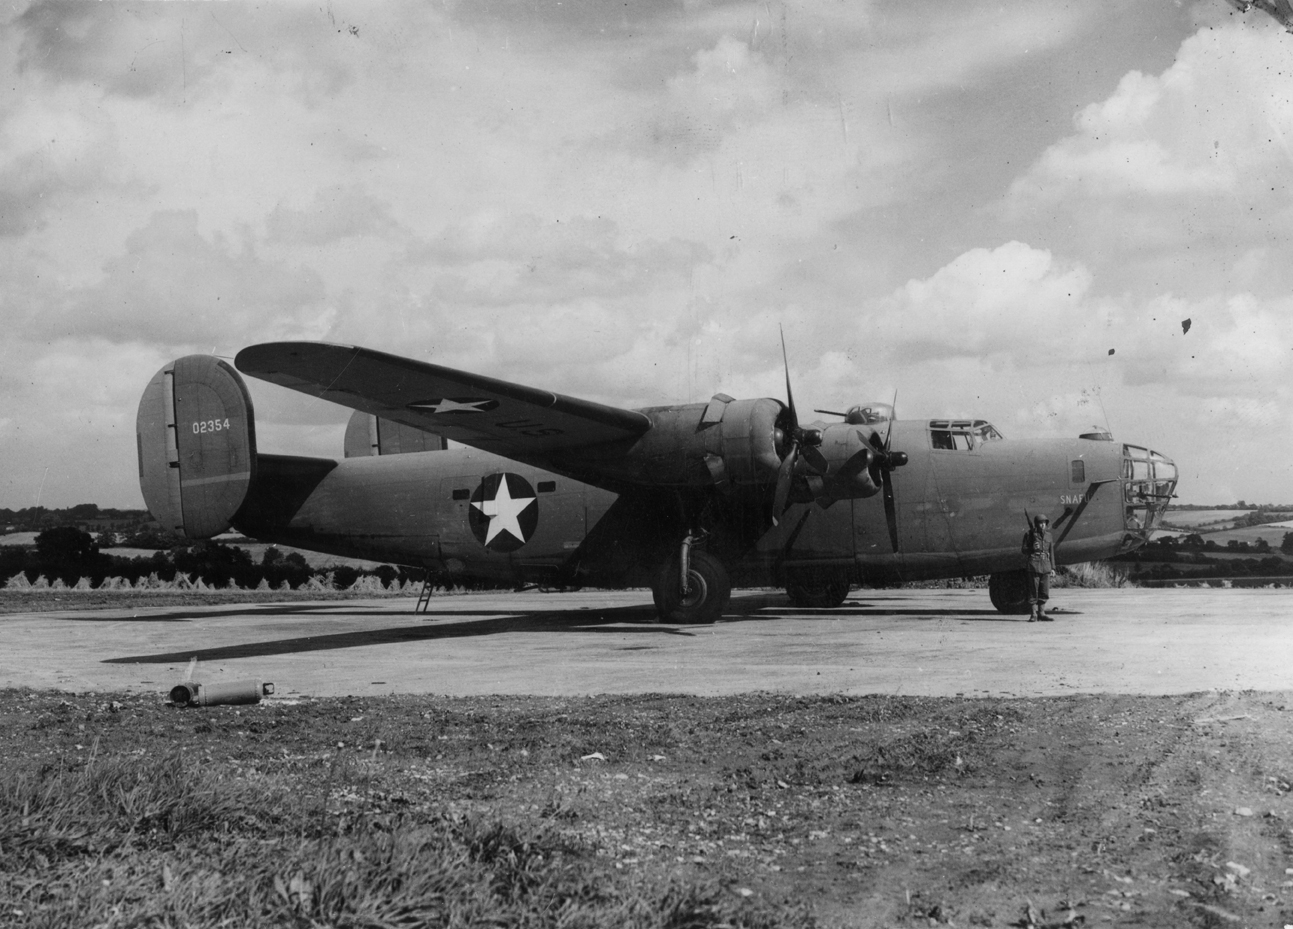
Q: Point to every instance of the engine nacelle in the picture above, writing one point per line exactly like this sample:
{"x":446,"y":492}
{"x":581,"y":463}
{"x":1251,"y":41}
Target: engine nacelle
{"x":723,"y":442}
{"x":196,"y":438}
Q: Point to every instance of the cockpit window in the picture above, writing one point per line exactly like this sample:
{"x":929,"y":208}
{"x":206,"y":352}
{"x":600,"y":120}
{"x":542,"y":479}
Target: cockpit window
{"x":961,"y":434}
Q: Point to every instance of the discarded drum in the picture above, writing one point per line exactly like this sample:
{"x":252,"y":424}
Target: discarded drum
{"x":197,"y":693}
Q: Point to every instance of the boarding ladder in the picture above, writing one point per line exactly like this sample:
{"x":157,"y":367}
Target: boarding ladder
{"x":424,"y":598}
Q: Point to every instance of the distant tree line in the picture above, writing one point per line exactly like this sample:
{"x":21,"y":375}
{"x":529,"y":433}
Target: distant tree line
{"x":1190,"y":556}
{"x":1173,"y":548}
{"x":87,"y":516}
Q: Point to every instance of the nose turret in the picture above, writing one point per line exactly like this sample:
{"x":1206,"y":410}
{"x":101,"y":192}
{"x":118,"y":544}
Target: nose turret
{"x":1148,"y":484}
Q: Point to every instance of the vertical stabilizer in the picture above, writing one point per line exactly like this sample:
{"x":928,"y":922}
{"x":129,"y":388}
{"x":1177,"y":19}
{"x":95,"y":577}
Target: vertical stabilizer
{"x":196,"y":440}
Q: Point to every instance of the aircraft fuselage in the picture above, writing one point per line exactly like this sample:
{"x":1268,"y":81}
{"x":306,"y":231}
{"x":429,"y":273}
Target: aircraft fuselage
{"x":959,"y":512}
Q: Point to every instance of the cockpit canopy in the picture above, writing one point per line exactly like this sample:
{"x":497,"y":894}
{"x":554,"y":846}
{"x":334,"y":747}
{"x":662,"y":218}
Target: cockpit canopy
{"x":963,"y":434}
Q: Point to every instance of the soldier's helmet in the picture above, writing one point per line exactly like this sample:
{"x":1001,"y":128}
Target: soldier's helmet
{"x":1040,"y":520}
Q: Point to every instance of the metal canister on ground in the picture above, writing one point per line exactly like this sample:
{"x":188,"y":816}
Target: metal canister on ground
{"x":198,"y":693}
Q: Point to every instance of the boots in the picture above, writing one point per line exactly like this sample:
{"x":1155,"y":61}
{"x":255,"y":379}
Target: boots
{"x":1034,"y":610}
{"x":1042,"y":616}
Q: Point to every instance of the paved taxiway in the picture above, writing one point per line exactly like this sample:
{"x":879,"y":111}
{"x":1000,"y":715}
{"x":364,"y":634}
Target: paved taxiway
{"x":934,"y":642}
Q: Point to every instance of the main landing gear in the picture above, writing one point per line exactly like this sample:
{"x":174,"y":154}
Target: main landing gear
{"x":691,"y":587}
{"x":1008,"y":591}
{"x":818,"y":588}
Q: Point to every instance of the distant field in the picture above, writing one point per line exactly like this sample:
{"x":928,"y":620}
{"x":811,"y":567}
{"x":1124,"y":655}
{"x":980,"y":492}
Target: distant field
{"x":1201,"y":517}
{"x":1272,"y":533}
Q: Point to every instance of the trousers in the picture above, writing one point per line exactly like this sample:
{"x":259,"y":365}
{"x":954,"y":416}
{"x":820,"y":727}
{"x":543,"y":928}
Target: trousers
{"x":1039,"y":587}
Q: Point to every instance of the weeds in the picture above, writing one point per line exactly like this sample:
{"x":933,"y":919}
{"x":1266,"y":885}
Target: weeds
{"x":1098,"y":574}
{"x":137,"y":840}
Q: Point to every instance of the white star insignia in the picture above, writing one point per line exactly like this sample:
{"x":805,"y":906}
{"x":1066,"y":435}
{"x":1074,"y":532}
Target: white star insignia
{"x":454,"y":406}
{"x":503,"y":511}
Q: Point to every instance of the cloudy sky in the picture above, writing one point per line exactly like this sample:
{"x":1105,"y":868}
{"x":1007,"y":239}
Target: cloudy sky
{"x":970,"y":203}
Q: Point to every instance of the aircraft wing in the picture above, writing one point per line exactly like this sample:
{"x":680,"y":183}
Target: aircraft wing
{"x":507,"y":419}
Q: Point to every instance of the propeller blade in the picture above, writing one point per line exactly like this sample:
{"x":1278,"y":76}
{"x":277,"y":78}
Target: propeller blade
{"x":893,"y":414}
{"x":790,"y":397}
{"x":858,"y":461}
{"x":816,"y":460}
{"x":785,"y":474}
{"x":890,"y":511}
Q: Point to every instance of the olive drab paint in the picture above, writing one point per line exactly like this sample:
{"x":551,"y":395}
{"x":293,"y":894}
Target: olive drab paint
{"x":195,"y":433}
{"x":559,"y":491}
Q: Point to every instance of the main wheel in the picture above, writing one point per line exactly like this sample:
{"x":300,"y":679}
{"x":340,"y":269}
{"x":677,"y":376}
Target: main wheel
{"x":818,"y":588}
{"x":708,"y":589}
{"x":1008,"y":591}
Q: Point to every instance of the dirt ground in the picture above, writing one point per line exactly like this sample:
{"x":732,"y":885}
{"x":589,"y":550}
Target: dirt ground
{"x":868,"y":811}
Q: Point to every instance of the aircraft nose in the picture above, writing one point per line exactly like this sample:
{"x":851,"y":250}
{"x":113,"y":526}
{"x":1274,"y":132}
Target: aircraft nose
{"x":1149,"y":483}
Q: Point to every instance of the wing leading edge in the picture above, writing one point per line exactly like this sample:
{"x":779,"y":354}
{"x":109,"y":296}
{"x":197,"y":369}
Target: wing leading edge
{"x":511,"y":420}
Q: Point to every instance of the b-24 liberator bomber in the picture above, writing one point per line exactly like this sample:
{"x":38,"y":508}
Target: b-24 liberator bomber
{"x":687,"y":499}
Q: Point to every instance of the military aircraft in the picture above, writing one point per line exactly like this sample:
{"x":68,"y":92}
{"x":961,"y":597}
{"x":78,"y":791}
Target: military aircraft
{"x":1281,"y":10}
{"x":688,"y":499}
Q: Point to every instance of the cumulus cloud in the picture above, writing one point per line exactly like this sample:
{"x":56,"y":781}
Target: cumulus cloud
{"x":52,"y":150}
{"x":980,"y":303}
{"x":1177,"y":179}
{"x":627,"y":203}
{"x":336,"y":212}
{"x":191,"y":291}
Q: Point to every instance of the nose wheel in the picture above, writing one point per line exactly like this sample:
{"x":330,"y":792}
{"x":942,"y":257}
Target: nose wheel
{"x":691,"y":588}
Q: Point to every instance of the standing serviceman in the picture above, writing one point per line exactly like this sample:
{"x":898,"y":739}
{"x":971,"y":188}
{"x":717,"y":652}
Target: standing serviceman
{"x":1039,"y":558}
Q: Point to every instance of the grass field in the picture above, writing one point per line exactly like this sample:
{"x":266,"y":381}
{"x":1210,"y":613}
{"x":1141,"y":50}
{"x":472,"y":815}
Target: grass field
{"x":1272,"y":534}
{"x":1195,"y":518}
{"x":654,"y":811}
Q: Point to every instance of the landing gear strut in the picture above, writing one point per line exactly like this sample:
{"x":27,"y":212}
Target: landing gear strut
{"x":691,"y":587}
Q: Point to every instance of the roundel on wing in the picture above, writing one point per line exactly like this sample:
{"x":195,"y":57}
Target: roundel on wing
{"x":504,"y":512}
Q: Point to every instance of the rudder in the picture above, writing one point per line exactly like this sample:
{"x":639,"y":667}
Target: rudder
{"x":196,"y":439}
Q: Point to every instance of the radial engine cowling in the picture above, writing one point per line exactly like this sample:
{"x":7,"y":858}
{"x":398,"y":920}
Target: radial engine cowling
{"x":720,"y":443}
{"x":854,"y":470}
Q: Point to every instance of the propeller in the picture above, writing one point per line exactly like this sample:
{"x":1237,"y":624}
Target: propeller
{"x":803,"y":444}
{"x":883,"y":464}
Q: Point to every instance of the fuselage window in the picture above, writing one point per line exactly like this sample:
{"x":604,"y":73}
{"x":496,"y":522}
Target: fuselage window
{"x":547,"y":487}
{"x":462,"y":494}
{"x":1079,"y":472}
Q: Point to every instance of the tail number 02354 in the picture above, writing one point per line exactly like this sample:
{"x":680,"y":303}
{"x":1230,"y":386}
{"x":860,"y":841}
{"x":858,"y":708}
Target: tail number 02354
{"x":210,"y":425}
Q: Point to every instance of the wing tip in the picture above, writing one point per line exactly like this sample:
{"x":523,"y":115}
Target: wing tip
{"x":254,"y":358}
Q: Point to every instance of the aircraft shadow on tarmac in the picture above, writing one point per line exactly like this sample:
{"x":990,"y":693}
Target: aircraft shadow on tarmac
{"x":775,"y":607}
{"x":537,"y":621}
{"x":622,"y":619}
{"x":249,"y":610}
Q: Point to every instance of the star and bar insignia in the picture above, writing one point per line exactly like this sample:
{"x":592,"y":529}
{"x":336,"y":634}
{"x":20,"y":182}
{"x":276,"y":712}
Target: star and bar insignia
{"x":443,"y":405}
{"x":504,"y":512}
